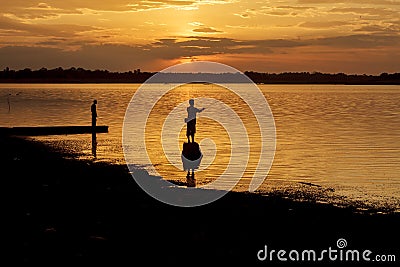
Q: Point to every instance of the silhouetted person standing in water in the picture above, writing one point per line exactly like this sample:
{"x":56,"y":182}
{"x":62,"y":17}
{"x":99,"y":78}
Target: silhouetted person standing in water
{"x":191,"y":120}
{"x":93,"y":109}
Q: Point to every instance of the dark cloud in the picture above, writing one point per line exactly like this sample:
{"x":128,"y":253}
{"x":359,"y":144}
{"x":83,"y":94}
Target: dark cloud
{"x":277,"y":13}
{"x":206,"y":30}
{"x":191,"y":47}
{"x":324,"y":24}
{"x":391,"y":29}
{"x":370,"y":11}
{"x":359,"y":41}
{"x":113,"y":57}
{"x":124,"y":57}
{"x":363,"y":2}
{"x":201,"y":46}
{"x":296,"y":7}
{"x":275,"y":43}
{"x":117,"y":57}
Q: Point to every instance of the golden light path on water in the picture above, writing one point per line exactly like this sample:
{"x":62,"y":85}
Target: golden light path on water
{"x":340,"y":137}
{"x":207,"y":129}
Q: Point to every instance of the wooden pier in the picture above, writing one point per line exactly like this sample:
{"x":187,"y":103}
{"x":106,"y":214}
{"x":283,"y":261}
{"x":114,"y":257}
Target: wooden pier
{"x":52,"y":130}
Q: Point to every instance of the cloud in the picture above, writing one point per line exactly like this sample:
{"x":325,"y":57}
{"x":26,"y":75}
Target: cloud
{"x":60,"y":36}
{"x":295,"y":7}
{"x":192,"y":46}
{"x":196,"y":23}
{"x":118,"y":56}
{"x":286,"y":11}
{"x":42,"y":11}
{"x":148,"y":57}
{"x":370,"y":11}
{"x":362,"y":2}
{"x":121,"y":57}
{"x":281,"y":43}
{"x":382,"y":29}
{"x":113,"y":57}
{"x":359,"y":41}
{"x":200,"y":45}
{"x":43,"y":30}
{"x":324,"y":24}
{"x":243,"y":15}
{"x":206,"y":30}
{"x":147,"y":5}
{"x":43,"y":5}
{"x":31,"y":9}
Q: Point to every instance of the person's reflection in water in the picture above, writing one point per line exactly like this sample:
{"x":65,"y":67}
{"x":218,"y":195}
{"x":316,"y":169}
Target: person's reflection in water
{"x":94,"y":145}
{"x":93,"y":109}
{"x":190,"y":180}
{"x":191,"y":159}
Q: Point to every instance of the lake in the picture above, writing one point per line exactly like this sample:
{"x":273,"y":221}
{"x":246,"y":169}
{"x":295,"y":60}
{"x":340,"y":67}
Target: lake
{"x":346,"y":138}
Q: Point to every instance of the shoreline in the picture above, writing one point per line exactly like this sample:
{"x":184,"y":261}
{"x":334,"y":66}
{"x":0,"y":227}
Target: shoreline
{"x":81,"y":211}
{"x":257,"y":83}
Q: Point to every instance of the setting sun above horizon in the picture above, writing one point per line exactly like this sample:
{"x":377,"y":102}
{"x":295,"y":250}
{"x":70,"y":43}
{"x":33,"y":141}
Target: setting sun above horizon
{"x":270,"y":36}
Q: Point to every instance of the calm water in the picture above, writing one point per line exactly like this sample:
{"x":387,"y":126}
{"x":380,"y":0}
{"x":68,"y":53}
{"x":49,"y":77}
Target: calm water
{"x":341,"y":137}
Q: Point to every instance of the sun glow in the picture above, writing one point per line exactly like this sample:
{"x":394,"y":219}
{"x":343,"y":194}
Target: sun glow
{"x":275,"y":36}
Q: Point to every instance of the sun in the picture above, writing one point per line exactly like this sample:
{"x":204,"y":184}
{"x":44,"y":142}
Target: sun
{"x":188,"y":59}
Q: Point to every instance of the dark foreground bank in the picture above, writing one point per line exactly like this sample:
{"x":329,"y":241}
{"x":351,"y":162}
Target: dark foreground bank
{"x":71,"y":211}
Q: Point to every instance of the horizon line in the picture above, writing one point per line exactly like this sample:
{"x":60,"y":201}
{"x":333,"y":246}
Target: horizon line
{"x":139,"y":71}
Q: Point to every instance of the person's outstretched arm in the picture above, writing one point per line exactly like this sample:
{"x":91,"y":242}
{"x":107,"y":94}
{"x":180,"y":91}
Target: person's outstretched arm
{"x":199,"y":110}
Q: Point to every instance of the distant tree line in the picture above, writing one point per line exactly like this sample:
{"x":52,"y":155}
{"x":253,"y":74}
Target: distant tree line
{"x":80,"y":75}
{"x":322,"y":78}
{"x":72,"y":75}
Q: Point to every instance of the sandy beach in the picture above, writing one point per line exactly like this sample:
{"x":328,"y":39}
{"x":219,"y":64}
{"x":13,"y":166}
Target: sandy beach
{"x":79,"y":211}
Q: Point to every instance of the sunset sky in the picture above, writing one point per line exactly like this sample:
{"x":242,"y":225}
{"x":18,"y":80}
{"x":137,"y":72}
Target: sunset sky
{"x":333,"y":36}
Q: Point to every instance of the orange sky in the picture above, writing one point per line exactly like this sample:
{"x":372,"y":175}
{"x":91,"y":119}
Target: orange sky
{"x":270,"y":36}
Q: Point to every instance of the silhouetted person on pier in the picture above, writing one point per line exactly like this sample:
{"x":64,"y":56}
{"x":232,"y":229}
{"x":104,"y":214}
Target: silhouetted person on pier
{"x":191,"y":120}
{"x":93,"y":109}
